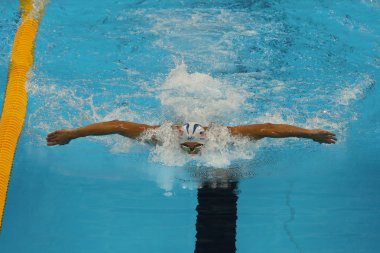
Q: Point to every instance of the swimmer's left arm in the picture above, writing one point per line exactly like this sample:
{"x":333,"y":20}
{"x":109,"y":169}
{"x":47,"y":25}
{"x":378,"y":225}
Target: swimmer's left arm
{"x":258,"y":131}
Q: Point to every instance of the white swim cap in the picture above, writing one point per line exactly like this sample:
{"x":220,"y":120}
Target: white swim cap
{"x":192,"y":132}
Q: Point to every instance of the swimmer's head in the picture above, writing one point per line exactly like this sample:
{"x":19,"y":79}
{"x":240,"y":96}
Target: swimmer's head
{"x":192,"y":137}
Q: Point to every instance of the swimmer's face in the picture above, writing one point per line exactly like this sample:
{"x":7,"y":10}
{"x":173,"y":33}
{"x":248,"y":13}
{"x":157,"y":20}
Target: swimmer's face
{"x":192,"y":148}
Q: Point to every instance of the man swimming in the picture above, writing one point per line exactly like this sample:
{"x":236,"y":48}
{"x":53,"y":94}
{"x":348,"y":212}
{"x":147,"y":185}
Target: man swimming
{"x":192,"y":136}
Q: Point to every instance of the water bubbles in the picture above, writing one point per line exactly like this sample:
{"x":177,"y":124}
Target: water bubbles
{"x":168,"y":194}
{"x":167,"y":151}
{"x":199,"y":97}
{"x":38,"y":7}
{"x":355,"y":91}
{"x":220,"y":149}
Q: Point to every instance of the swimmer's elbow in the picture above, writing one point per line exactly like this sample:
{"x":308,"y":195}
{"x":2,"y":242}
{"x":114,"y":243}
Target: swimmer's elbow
{"x":120,"y":127}
{"x":131,"y":129}
{"x":252,"y":131}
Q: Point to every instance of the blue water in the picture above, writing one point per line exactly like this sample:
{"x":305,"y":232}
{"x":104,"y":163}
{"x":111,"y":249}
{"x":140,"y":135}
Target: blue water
{"x":311,"y":63}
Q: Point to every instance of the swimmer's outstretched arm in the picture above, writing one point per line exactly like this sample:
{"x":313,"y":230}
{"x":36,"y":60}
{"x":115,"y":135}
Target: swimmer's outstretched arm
{"x":258,"y":131}
{"x":125,"y":128}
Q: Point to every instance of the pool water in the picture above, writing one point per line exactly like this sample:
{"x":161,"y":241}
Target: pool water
{"x":310,"y":63}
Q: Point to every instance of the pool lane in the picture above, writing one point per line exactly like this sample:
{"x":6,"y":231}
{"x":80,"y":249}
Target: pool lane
{"x":16,"y":98}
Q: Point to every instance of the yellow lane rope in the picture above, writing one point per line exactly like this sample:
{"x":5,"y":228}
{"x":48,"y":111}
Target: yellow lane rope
{"x":16,"y":97}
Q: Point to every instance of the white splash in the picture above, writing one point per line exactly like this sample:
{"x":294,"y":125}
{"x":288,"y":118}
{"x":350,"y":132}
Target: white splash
{"x":220,"y":150}
{"x":205,"y":35}
{"x":199,"y":97}
{"x":70,"y":109}
{"x":372,"y":3}
{"x":38,"y":7}
{"x":167,"y":151}
{"x":355,"y":91}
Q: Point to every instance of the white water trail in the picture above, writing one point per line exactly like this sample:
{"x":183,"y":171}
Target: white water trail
{"x":199,"y":97}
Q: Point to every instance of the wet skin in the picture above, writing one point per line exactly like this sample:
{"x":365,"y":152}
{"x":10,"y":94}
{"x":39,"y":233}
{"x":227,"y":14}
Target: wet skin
{"x":134,"y":130}
{"x":64,"y":136}
{"x":59,"y":137}
{"x":323,"y":136}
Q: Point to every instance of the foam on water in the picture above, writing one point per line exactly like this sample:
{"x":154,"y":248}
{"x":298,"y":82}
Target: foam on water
{"x":372,"y":3}
{"x":38,"y":6}
{"x":199,"y":97}
{"x":356,"y":90}
{"x":207,"y":36}
{"x":219,"y":151}
{"x":222,"y":148}
{"x":55,"y":106}
{"x":167,"y":151}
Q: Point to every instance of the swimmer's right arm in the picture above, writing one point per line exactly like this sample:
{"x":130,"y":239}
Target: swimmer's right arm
{"x":125,"y":128}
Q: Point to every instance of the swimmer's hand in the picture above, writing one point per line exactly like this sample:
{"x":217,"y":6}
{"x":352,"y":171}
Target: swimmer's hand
{"x":322,"y":136}
{"x":60,"y":137}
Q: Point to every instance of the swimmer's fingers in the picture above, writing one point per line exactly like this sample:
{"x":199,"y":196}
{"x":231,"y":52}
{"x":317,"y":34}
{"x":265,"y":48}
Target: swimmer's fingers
{"x":57,"y":142}
{"x":52,"y":143}
{"x":57,"y":132}
{"x":327,"y":133}
{"x":331,"y":141}
{"x":52,"y":139}
{"x":326,"y":140}
{"x":59,"y":137}
{"x":323,"y":136}
{"x":51,"y":135}
{"x":330,"y":138}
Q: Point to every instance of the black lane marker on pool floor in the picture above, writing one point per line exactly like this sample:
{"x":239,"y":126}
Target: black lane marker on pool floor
{"x":216,"y":219}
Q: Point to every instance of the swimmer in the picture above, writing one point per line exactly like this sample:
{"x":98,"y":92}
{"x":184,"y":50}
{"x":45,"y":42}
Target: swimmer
{"x":192,"y":136}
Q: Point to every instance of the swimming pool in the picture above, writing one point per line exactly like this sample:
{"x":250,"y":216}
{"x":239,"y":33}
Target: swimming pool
{"x":314,"y":64}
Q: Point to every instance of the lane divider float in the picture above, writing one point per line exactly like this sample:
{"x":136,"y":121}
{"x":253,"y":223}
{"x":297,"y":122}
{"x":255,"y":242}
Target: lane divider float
{"x":16,"y":97}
